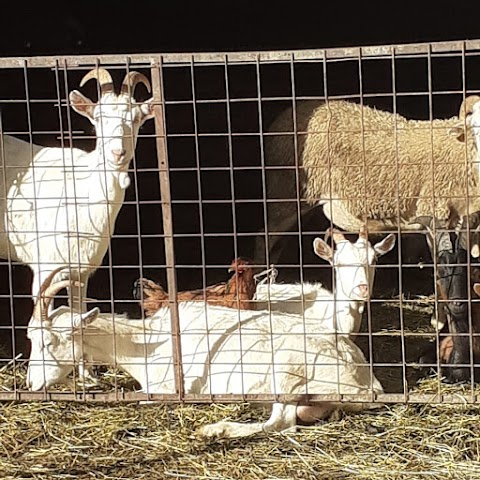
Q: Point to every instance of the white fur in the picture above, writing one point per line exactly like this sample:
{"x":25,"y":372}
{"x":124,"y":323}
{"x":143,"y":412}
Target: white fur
{"x":242,"y":352}
{"x":62,"y":203}
{"x":364,"y":165}
{"x":340,"y":311}
{"x":224,"y":351}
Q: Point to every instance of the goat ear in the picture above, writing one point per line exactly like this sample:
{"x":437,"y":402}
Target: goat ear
{"x":85,"y":319}
{"x":147,"y":109}
{"x":323,"y":250}
{"x":458,"y":131}
{"x":384,"y":246}
{"x":81,"y":104}
{"x":476,"y":288}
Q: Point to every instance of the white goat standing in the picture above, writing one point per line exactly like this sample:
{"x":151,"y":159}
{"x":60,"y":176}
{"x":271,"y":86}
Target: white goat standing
{"x":340,"y":311}
{"x":365,"y":165}
{"x":61,"y":207}
{"x":224,"y":351}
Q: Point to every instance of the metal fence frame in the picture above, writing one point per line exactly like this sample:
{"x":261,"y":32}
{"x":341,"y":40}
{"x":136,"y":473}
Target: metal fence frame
{"x":156,"y":62}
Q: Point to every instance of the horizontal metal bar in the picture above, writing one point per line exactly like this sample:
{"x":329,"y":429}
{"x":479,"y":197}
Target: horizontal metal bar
{"x":185,"y":59}
{"x":263,"y":98}
{"x":450,"y":398}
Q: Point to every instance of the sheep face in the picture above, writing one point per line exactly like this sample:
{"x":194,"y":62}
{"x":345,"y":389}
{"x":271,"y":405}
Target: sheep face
{"x":55,"y":349}
{"x":473,"y":121}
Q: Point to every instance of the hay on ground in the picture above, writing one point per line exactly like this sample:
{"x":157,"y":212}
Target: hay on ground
{"x":63,"y":440}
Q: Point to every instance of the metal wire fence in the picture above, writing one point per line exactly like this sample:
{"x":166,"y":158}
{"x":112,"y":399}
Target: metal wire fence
{"x":206,"y":188}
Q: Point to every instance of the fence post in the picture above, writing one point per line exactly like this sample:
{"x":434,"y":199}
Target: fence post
{"x":163,"y":172}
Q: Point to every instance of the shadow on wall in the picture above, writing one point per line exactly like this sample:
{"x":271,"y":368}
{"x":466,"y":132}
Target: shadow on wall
{"x":215,"y":118}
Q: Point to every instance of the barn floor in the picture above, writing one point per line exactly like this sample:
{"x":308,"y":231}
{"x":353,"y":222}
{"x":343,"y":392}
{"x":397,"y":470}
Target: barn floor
{"x":62,"y":440}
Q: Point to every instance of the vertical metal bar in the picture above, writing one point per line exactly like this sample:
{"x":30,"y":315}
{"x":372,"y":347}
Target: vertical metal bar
{"x":265,"y":200}
{"x":234,"y":219}
{"x":110,"y":232}
{"x":469,"y":266}
{"x":329,"y":170}
{"x":365,"y":193}
{"x":9,"y":253}
{"x":139,"y":230}
{"x":30,"y":137}
{"x":299,"y":211}
{"x":200,"y":213}
{"x":330,"y":200}
{"x":163,"y":172}
{"x":66,"y":199}
{"x":434,"y":259}
{"x":399,"y":233}
{"x":262,"y":167}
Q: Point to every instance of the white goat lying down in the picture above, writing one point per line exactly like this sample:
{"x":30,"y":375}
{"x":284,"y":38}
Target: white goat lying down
{"x":340,"y":311}
{"x":250,"y":352}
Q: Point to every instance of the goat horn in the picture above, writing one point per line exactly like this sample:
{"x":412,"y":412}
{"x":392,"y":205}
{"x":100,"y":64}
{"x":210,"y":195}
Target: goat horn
{"x":363,"y":232}
{"x":132,"y":79}
{"x":337,"y":235}
{"x":467,"y":105}
{"x":104,"y":79}
{"x":328,"y":232}
{"x":50,"y":293}
{"x":39,"y":310}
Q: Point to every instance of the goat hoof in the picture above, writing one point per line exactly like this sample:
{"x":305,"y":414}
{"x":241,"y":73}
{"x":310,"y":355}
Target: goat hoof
{"x":213,"y":431}
{"x":220,"y":430}
{"x":457,"y":376}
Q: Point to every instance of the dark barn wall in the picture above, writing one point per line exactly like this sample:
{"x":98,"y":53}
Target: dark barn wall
{"x":204,"y":163}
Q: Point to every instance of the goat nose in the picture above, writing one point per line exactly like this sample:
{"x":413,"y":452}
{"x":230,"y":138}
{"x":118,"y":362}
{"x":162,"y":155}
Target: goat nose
{"x":118,"y":153}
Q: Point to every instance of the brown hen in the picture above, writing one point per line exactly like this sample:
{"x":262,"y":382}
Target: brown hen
{"x":237,"y":292}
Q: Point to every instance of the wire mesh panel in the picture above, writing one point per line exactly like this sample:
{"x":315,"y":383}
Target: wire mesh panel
{"x":195,"y":227}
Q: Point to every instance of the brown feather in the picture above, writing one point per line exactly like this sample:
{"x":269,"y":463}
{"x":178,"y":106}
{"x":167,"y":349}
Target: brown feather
{"x":237,"y":292}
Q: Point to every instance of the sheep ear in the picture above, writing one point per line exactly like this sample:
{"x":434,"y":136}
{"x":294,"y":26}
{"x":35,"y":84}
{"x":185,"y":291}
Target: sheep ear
{"x":458,"y":131}
{"x":81,"y":104}
{"x":323,"y":250}
{"x":476,"y":288}
{"x":384,"y":246}
{"x":84,"y":319}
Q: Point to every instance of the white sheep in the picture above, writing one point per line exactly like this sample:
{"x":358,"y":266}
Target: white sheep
{"x":224,"y":351}
{"x":340,"y":311}
{"x":365,"y":165}
{"x":59,"y":205}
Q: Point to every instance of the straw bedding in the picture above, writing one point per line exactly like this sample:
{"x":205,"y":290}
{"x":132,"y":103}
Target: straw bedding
{"x":63,"y":440}
{"x":72,"y":440}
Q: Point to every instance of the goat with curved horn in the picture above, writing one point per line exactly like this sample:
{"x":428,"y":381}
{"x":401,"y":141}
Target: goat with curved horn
{"x":70,"y":183}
